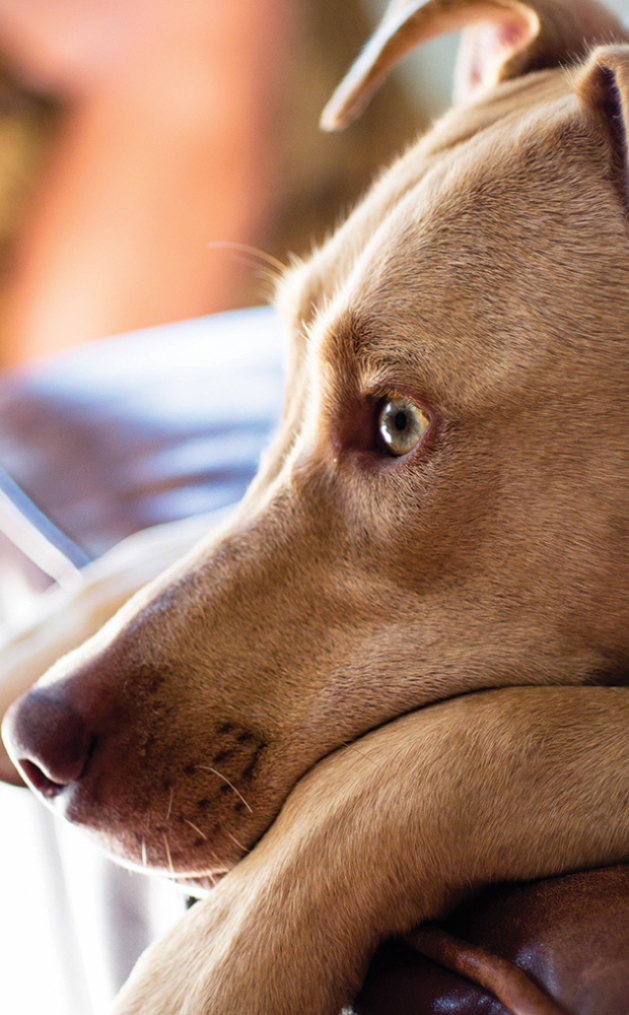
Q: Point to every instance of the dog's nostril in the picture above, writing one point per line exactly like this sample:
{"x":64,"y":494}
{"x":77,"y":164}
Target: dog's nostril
{"x":50,"y":741}
{"x":41,"y":782}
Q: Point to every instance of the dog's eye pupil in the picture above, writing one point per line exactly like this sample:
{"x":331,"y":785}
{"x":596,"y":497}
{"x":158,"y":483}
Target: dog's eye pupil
{"x":401,"y":425}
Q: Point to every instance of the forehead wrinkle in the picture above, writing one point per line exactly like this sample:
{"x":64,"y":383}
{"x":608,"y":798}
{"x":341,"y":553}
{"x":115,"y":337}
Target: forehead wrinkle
{"x":339,"y":341}
{"x":354,"y":354}
{"x":309,"y":289}
{"x":380,"y":325}
{"x":355,"y":330}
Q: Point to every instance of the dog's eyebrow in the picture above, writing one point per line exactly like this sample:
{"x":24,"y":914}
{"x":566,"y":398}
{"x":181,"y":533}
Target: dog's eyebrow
{"x":365,"y":354}
{"x":332,"y":331}
{"x":352,"y":346}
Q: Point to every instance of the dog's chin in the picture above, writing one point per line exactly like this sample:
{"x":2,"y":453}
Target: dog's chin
{"x":190,"y":868}
{"x":161,"y":840}
{"x":153,"y":843}
{"x":199,"y":886}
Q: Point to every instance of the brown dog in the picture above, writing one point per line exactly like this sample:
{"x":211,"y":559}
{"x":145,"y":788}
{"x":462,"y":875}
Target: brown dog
{"x":445,"y":510}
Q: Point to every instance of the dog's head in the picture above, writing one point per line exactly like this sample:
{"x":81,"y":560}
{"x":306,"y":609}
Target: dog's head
{"x":446,"y":505}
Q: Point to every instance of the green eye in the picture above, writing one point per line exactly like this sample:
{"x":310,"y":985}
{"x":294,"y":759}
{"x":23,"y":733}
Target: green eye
{"x":401,"y":425}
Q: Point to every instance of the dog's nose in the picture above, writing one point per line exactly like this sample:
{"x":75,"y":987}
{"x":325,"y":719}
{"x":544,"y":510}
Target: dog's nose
{"x":49,"y":741}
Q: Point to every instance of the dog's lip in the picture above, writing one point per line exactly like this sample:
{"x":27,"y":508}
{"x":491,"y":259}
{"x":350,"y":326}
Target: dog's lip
{"x":149,"y":860}
{"x":204,"y":879}
{"x":203,"y":882}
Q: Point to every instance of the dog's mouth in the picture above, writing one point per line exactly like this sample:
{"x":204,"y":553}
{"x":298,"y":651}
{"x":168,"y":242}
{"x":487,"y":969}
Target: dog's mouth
{"x":187,"y":806}
{"x":183,"y":813}
{"x":182,"y":832}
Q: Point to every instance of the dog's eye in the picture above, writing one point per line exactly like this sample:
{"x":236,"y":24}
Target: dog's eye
{"x":401,"y":425}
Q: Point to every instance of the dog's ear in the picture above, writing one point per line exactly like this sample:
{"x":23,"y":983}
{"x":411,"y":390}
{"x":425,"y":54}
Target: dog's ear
{"x":502,"y":39}
{"x":602,"y":87}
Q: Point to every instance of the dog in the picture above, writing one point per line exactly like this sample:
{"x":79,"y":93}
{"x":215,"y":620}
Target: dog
{"x":398,"y":673}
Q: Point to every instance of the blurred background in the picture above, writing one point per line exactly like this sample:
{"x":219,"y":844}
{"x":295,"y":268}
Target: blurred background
{"x":135,"y":133}
{"x":139,"y":136}
{"x":148,"y":149}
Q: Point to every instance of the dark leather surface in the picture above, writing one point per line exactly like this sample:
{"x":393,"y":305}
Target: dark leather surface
{"x":162,"y":424}
{"x":570,"y":934}
{"x":144,"y":428}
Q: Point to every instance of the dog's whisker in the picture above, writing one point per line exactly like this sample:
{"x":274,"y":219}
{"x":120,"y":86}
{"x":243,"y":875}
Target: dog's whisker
{"x":268,"y":277}
{"x":210,"y":852}
{"x":264,"y":272}
{"x":245,"y":248}
{"x":196,"y":828}
{"x":170,"y":803}
{"x":144,"y":863}
{"x":217,"y":860}
{"x":169,"y":857}
{"x":214,"y":771}
{"x":234,"y":839}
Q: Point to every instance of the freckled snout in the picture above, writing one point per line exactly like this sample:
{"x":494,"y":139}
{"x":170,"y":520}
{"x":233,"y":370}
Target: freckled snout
{"x":158,"y":782}
{"x":49,"y":740}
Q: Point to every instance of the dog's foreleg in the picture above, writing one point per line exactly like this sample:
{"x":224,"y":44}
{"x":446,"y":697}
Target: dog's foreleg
{"x":392,"y":830}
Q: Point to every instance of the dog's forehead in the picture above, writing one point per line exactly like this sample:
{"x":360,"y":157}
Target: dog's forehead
{"x":307,"y":288}
{"x":486,"y":254}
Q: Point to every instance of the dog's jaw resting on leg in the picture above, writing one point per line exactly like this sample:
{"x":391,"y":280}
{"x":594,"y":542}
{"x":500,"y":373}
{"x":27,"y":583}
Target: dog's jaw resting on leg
{"x":392,"y":831}
{"x":481,"y":290}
